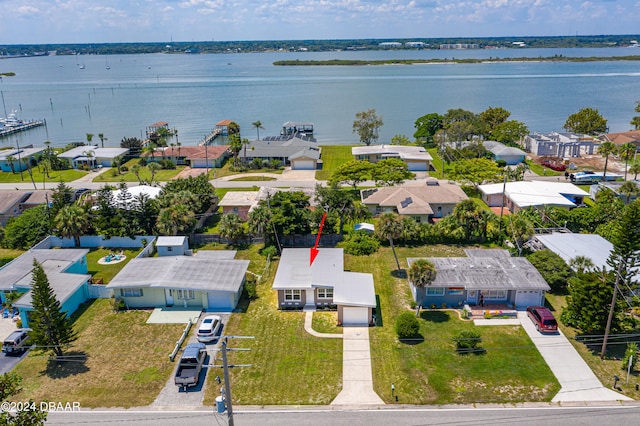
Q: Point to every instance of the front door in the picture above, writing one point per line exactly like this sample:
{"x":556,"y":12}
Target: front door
{"x":168,"y":294}
{"x":310,"y":299}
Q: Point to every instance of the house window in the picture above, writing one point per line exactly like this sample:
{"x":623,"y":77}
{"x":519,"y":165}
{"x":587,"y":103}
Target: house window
{"x":494,"y":294}
{"x":169,"y":248}
{"x":294,"y":295}
{"x":131,"y":292}
{"x":472,"y":294}
{"x":417,"y":219}
{"x":456,"y":291}
{"x":325,"y":293}
{"x":435,"y":292}
{"x":186,"y":294}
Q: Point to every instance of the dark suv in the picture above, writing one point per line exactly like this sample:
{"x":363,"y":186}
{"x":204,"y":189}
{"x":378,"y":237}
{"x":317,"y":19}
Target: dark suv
{"x":543,"y":319}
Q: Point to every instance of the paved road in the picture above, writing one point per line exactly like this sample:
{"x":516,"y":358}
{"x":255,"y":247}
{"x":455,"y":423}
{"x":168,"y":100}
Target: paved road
{"x":529,"y":415}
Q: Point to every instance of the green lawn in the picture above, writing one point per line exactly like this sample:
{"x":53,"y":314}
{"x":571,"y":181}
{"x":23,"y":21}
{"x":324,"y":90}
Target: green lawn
{"x":540,"y":170}
{"x":332,"y":157}
{"x":437,"y":163}
{"x":225,"y":170}
{"x":603,"y":369}
{"x":7,"y":255}
{"x":289,"y":366}
{"x":107,"y":272}
{"x":161,"y":175}
{"x":55,"y":176}
{"x":428,"y":371}
{"x":127,"y":361}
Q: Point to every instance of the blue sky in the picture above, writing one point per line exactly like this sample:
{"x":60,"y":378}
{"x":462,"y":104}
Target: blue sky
{"x":84,"y":21}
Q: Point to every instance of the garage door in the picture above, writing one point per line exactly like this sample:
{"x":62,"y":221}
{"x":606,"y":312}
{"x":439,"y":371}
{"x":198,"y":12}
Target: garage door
{"x":417,"y":166}
{"x":303,"y":165}
{"x":355,"y":316}
{"x":526,"y":298}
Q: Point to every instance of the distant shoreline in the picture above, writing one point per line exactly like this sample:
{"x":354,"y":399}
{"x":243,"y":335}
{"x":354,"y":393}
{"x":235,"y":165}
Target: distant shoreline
{"x":357,"y":62}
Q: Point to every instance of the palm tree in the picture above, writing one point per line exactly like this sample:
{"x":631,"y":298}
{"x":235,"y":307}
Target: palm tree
{"x":117,"y":162}
{"x":231,"y":227}
{"x":10,"y":160}
{"x":153,"y":168}
{"x":626,"y":151}
{"x":89,"y":137}
{"x":136,"y":171}
{"x":422,"y":273}
{"x":245,"y":142}
{"x":467,"y":212}
{"x":259,"y":220}
{"x":235,"y":144}
{"x":89,"y":154}
{"x":606,"y":149}
{"x":150,"y":149}
{"x":390,"y":227}
{"x":581,"y":264}
{"x":635,"y":169}
{"x":179,"y":145}
{"x":174,"y":219}
{"x":72,"y":221}
{"x":102,"y":138}
{"x":26,"y":160}
{"x":258,"y":126}
{"x":629,"y":189}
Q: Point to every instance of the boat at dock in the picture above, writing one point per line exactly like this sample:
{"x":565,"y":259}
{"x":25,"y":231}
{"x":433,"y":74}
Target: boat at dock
{"x":12,"y":124}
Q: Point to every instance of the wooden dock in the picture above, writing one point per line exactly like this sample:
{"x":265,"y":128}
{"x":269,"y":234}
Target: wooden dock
{"x":210,"y":137}
{"x":6,"y":131}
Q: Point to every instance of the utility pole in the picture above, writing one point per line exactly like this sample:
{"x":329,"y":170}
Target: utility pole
{"x":225,"y":365}
{"x":611,"y":311}
{"x":504,"y":189}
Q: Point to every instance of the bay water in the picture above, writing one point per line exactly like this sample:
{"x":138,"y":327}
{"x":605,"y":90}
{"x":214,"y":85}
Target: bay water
{"x":120,"y":95}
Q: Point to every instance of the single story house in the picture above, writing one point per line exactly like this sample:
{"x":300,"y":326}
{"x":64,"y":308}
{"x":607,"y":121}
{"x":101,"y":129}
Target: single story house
{"x":299,"y":153}
{"x":324,"y":283}
{"x":421,"y":202}
{"x":196,"y":157}
{"x":621,"y":138}
{"x":561,"y":145}
{"x":494,"y":274}
{"x":508,"y":154}
{"x":11,"y":204}
{"x":20,"y":158}
{"x":517,"y":196}
{"x":416,"y":157}
{"x":569,"y":246}
{"x":239,"y":202}
{"x":612,"y":186}
{"x":210,"y":279}
{"x":38,"y":198}
{"x":90,"y":156}
{"x":66,"y":270}
{"x":173,"y":246}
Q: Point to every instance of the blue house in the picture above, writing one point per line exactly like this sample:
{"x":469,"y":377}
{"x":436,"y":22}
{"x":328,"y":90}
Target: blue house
{"x":20,"y":158}
{"x":66,"y":270}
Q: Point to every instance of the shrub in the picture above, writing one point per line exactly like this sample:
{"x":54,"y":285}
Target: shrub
{"x":19,"y":323}
{"x":467,"y":341}
{"x":269,"y":251}
{"x":252,"y":289}
{"x":167,"y":164}
{"x":142,"y":162}
{"x":360,"y":244}
{"x":407,"y":325}
{"x":117,"y":304}
{"x":632,"y":351}
{"x":124,"y":169}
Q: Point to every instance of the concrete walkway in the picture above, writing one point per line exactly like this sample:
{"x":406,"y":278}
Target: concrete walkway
{"x":308,"y":327}
{"x":89,"y":177}
{"x":357,"y":380}
{"x":578,"y":381}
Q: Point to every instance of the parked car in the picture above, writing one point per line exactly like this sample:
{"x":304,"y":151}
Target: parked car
{"x":190,"y":365}
{"x":209,"y":328}
{"x":543,"y":319}
{"x":560,"y":167}
{"x":16,"y":342}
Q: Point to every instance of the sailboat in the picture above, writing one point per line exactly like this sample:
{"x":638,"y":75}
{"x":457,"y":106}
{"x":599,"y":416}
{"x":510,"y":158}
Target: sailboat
{"x":107,"y":61}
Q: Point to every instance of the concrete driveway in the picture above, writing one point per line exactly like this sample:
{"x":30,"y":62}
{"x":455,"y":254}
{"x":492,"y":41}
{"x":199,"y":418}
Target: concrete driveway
{"x":578,"y":382}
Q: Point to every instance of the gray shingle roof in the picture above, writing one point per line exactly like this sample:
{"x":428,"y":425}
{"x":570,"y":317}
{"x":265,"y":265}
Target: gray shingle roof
{"x":16,"y":270}
{"x":205,"y":273}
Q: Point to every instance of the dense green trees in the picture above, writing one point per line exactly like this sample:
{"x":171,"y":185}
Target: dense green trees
{"x":231,"y":227}
{"x":553,"y":269}
{"x":27,"y":229}
{"x":353,"y":173}
{"x":366,"y":125}
{"x":72,"y":222}
{"x":427,"y":126}
{"x":31,"y":415}
{"x":635,"y":121}
{"x":587,"y":121}
{"x":475,"y":171}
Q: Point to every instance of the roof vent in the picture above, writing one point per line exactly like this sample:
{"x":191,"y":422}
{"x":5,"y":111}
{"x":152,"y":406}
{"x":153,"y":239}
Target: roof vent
{"x":432,"y":182}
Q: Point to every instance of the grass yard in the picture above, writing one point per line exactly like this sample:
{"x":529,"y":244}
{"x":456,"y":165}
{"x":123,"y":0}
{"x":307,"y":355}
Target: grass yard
{"x":161,"y":175}
{"x":7,"y":255}
{"x":55,"y":176}
{"x":437,"y":163}
{"x":540,"y":170}
{"x":332,"y":157}
{"x":326,"y":322}
{"x":107,"y":272}
{"x":603,"y":369}
{"x":225,"y":170}
{"x":127,"y":361}
{"x":289,"y":366}
{"x":428,"y":370}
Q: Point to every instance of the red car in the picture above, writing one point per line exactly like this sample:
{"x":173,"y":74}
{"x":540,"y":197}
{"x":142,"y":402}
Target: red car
{"x":543,"y":319}
{"x":554,"y":166}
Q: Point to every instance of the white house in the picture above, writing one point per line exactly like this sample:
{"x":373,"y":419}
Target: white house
{"x":416,"y":157}
{"x":172,"y":246}
{"x":524,"y":194}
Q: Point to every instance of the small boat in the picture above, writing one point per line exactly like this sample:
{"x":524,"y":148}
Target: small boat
{"x":107,"y":62}
{"x":12,"y":121}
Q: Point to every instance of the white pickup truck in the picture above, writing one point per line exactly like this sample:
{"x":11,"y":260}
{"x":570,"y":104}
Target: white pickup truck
{"x":190,"y":365}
